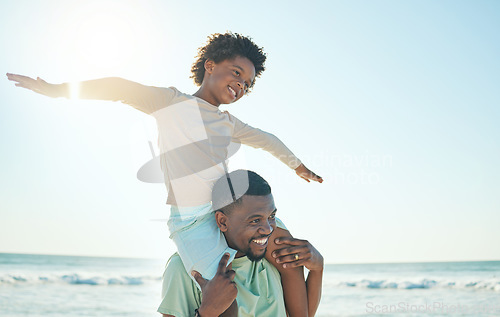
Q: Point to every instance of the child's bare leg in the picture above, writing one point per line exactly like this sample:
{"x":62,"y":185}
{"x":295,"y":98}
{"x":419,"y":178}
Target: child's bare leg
{"x":292,"y":279}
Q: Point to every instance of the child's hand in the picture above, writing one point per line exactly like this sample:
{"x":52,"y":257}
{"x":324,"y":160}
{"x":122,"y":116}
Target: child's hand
{"x":218,"y":293}
{"x":307,"y":174}
{"x":37,"y":85}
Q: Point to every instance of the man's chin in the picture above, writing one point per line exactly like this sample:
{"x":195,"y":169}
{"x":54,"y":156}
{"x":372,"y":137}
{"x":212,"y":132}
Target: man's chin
{"x":255,"y":257}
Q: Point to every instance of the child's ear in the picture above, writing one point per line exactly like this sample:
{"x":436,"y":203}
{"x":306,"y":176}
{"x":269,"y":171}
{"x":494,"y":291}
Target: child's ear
{"x":209,"y":66}
{"x":221,"y":220}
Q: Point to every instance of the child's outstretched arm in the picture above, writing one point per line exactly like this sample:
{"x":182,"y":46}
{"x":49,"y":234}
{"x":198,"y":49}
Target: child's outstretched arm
{"x":257,"y":138}
{"x":144,"y":98}
{"x":40,"y":86}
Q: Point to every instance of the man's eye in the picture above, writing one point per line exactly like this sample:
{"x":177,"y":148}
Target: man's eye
{"x":255,"y":221}
{"x":272,"y":216}
{"x":237,"y":73}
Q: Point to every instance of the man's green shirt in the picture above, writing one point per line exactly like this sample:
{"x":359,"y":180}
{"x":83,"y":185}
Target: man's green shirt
{"x":259,"y":289}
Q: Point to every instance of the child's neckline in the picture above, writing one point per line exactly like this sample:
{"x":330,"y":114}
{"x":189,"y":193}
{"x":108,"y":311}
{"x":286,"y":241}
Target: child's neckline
{"x":208,"y":103}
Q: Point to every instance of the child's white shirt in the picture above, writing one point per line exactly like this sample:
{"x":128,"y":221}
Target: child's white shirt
{"x":196,"y":139}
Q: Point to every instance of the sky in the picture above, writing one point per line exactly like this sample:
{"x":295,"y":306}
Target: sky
{"x":394,"y":103}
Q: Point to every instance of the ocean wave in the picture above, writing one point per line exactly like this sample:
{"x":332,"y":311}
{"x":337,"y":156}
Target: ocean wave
{"x":77,"y":279}
{"x":492,"y":284}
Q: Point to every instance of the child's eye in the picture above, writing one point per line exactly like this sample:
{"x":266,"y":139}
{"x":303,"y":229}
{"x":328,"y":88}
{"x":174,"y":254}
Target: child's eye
{"x":255,"y":221}
{"x":237,"y":73}
{"x":273,"y":216}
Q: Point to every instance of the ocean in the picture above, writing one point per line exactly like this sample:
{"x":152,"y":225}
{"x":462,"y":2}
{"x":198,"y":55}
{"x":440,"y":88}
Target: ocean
{"x":50,"y":285}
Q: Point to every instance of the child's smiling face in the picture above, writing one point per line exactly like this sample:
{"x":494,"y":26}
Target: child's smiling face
{"x":228,"y":80}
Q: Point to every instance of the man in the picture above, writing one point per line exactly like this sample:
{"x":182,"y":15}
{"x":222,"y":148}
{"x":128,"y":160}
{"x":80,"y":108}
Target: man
{"x":246,"y":214}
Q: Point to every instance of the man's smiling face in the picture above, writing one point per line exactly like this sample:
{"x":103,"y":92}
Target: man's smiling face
{"x":248,"y":225}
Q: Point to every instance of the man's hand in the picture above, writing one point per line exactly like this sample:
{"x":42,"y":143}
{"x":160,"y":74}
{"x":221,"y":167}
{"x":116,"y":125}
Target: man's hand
{"x":39,"y":85}
{"x":307,"y":174}
{"x":218,"y":293}
{"x":296,"y":252}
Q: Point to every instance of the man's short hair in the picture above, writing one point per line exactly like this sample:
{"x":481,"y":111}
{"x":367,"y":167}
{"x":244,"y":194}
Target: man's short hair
{"x":230,"y":188}
{"x":221,"y":47}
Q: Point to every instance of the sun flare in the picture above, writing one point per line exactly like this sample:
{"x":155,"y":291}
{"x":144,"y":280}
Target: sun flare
{"x":104,"y":40}
{"x":105,"y":36}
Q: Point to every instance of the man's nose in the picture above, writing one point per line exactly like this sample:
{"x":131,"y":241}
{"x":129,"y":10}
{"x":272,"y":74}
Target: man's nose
{"x":266,"y":228}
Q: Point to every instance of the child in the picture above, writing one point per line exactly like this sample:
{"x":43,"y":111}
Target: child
{"x":195,"y":140}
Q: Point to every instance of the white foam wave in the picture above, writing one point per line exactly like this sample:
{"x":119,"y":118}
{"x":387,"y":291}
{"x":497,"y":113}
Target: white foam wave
{"x":492,"y":284}
{"x":77,"y":279}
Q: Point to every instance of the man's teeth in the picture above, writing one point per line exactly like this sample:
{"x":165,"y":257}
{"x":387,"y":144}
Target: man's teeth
{"x":261,"y":241}
{"x":232,"y":90}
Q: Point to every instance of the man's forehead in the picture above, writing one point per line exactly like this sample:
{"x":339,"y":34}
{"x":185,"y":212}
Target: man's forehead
{"x":253,"y":205}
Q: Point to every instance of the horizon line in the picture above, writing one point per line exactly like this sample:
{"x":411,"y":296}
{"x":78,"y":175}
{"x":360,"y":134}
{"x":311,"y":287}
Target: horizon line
{"x":329,"y":263}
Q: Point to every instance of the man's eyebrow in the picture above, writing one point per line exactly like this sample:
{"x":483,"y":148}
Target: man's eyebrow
{"x":259,"y":215}
{"x":253,"y":216}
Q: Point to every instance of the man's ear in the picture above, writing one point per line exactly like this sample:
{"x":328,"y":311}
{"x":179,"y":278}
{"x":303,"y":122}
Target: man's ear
{"x":221,"y":220}
{"x":209,"y":66}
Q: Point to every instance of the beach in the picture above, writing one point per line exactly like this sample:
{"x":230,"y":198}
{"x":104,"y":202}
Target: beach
{"x":49,"y":285}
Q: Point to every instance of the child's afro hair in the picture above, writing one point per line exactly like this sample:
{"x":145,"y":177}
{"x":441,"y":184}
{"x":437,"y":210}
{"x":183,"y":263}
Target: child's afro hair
{"x":221,"y":47}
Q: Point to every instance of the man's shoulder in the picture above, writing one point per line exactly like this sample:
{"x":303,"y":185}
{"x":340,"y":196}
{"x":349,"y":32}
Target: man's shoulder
{"x":175,"y":259}
{"x":175,"y":273}
{"x":180,"y":295}
{"x":175,"y":265}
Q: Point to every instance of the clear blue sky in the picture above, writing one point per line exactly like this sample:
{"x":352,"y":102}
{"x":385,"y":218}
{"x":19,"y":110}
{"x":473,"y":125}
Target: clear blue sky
{"x":395,"y":103}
